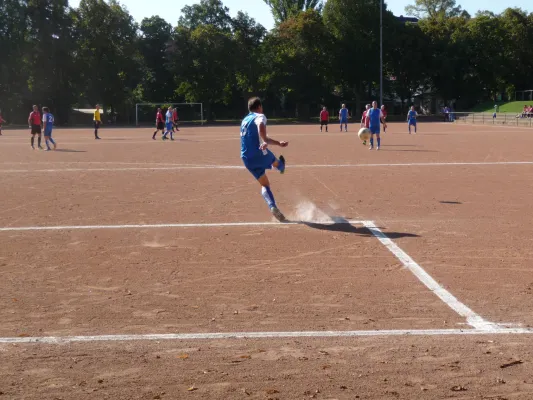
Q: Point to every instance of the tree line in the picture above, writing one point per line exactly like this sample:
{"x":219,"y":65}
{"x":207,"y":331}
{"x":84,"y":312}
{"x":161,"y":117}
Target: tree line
{"x":317,"y":54}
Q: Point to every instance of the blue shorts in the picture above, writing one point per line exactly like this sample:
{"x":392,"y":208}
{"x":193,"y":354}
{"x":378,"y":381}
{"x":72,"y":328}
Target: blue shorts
{"x":374,"y":129}
{"x":48,"y":133}
{"x":344,"y":120}
{"x":169,"y":126}
{"x":412,"y":122}
{"x":259,"y":164}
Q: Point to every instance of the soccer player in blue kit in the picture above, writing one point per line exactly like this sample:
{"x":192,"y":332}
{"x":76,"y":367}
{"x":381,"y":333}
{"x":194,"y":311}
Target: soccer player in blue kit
{"x":169,"y":124}
{"x":255,"y":154}
{"x":343,"y":117}
{"x":411,"y":118}
{"x":375,"y":116}
{"x":48,"y":126}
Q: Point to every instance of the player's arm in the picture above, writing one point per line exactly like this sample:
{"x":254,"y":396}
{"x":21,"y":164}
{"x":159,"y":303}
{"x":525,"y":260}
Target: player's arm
{"x":44,"y":123}
{"x":29,"y":120}
{"x":265,"y":140}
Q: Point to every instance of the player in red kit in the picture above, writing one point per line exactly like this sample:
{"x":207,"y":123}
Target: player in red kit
{"x":1,"y":122}
{"x":34,"y":121}
{"x":175,"y":119}
{"x":384,"y":112}
{"x":159,"y":123}
{"x":324,"y":118}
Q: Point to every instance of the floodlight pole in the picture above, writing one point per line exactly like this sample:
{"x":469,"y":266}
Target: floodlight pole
{"x":381,"y":52}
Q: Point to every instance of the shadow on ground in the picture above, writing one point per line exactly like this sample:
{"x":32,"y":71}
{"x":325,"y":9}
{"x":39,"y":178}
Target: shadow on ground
{"x":344,"y":226}
{"x":70,"y":151}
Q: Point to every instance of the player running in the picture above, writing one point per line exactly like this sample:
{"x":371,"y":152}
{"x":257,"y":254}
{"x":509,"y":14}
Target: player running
{"x":175,"y":120}
{"x":376,"y":118}
{"x":2,"y":120}
{"x":384,"y":111}
{"x":324,"y":118}
{"x":365,"y":121}
{"x":411,"y":118}
{"x":34,"y":121}
{"x":255,"y":154}
{"x":97,"y":119}
{"x":343,"y":117}
{"x":159,"y":123}
{"x":169,"y":126}
{"x":48,"y":125}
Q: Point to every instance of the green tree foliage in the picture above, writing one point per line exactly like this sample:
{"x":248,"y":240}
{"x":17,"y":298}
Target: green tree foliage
{"x":298,"y":55}
{"x":435,"y":9}
{"x":154,"y":41}
{"x":108,"y":53}
{"x":282,"y":10}
{"x":58,"y":56}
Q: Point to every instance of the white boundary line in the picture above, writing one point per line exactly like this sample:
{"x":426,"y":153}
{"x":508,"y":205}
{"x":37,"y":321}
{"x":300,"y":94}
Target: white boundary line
{"x":481,"y":326}
{"x":263,"y":335}
{"x":151,"y":226}
{"x":240,"y":167}
{"x":449,"y":299}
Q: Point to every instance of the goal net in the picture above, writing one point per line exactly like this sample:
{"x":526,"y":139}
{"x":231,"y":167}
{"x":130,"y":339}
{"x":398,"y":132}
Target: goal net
{"x":188,"y":113}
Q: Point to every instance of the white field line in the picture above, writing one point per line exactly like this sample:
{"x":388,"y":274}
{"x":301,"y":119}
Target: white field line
{"x":306,"y":166}
{"x":481,"y":327}
{"x":451,"y":301}
{"x":152,"y":226}
{"x":263,"y":335}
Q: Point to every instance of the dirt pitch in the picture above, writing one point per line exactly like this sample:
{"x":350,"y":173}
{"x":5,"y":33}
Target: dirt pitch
{"x":140,"y":269}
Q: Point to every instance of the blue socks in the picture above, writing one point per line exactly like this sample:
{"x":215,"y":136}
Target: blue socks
{"x":268,"y":196}
{"x":372,"y":141}
{"x":171,"y":137}
{"x":379,"y":141}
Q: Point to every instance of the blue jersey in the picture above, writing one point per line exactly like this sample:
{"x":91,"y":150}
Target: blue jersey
{"x":344,"y":114}
{"x":412,"y":115}
{"x":250,"y":135}
{"x":168,"y":116}
{"x":374,"y":117}
{"x":49,"y":119}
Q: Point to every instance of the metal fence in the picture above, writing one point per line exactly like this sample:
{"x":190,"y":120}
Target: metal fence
{"x":509,"y":119}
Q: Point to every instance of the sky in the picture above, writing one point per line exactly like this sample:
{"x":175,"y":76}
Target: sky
{"x":258,"y":10}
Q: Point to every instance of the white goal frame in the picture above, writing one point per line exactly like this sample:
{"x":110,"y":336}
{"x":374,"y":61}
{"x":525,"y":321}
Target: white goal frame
{"x":172,"y":104}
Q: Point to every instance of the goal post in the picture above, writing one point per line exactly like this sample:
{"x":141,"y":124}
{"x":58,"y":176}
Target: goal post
{"x":188,"y":113}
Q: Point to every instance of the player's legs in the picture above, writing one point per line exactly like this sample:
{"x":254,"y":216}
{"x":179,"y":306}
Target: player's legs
{"x":269,"y":198}
{"x":378,"y":137}
{"x":32,"y":141}
{"x":48,"y":139}
{"x":96,"y":127}
{"x":257,"y":168}
{"x":39,"y":141}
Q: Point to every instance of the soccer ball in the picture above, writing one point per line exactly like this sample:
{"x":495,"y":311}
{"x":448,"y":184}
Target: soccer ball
{"x":364,"y":134}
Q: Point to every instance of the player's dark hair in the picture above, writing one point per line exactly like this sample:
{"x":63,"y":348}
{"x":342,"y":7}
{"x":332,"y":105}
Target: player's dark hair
{"x":46,"y":109}
{"x":254,"y":103}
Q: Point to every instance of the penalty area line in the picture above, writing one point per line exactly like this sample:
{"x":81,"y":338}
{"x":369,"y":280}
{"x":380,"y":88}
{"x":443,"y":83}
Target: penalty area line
{"x":262,"y":335}
{"x":241,"y":167}
{"x":155,"y":226}
{"x":472,"y":318}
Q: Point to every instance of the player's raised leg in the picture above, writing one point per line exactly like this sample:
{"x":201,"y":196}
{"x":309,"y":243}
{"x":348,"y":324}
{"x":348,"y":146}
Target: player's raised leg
{"x":255,"y":154}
